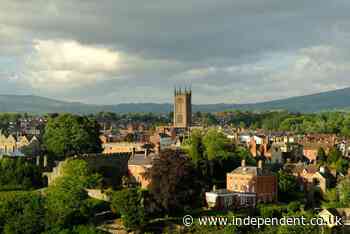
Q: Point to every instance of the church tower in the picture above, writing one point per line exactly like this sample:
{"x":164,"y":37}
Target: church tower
{"x":182,"y":108}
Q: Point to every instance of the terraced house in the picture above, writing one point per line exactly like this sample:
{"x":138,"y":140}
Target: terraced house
{"x":12,"y":146}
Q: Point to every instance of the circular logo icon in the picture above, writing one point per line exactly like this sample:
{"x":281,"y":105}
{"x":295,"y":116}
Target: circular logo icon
{"x":187,"y":220}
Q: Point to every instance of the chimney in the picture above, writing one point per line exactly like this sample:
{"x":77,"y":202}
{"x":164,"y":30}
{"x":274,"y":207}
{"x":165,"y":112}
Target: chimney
{"x":260,"y":164}
{"x":133,"y":152}
{"x":243,"y":163}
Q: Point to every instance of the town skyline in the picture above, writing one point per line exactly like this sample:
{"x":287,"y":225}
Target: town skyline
{"x":184,"y":117}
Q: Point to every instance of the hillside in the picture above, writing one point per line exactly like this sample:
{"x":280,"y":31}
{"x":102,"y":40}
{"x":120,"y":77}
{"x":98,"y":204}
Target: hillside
{"x":332,"y":100}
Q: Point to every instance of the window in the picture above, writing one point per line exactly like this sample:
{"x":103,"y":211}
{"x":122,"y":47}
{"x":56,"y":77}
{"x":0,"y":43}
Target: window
{"x":179,"y":118}
{"x":180,"y":100}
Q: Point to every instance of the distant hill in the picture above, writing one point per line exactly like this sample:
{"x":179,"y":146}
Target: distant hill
{"x":326,"y":101}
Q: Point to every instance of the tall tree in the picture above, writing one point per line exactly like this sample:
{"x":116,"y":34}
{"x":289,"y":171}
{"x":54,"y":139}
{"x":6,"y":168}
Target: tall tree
{"x":67,"y":200}
{"x":217,"y":146}
{"x":21,"y":212}
{"x":196,"y":147}
{"x":129,"y":204}
{"x":17,"y":173}
{"x":321,"y":155}
{"x":287,"y":186}
{"x":174,"y":182}
{"x":334,"y":155}
{"x":67,"y":135}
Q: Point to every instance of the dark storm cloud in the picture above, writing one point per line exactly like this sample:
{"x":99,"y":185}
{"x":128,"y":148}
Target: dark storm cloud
{"x":217,"y":46}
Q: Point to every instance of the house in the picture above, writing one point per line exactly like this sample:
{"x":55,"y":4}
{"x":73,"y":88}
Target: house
{"x":222,"y":199}
{"x":274,"y":153}
{"x":332,"y":216}
{"x":310,"y":150}
{"x":310,"y":177}
{"x":121,"y":147}
{"x":13,"y":146}
{"x":257,"y":145}
{"x":278,"y":151}
{"x":246,"y":180}
{"x":137,"y":167}
{"x":162,"y":141}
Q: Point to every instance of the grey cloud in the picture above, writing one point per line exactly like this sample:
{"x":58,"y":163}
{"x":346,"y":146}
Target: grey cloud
{"x":196,"y":30}
{"x":172,"y":38}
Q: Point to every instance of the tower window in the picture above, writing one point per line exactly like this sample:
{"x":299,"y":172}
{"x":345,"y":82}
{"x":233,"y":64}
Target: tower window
{"x":179,"y":118}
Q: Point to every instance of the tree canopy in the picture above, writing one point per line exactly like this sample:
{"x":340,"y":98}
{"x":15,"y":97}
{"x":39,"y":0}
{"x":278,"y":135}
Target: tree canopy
{"x":174,"y":181}
{"x":63,"y":207}
{"x":67,"y":135}
{"x":213,"y":154}
{"x":287,"y":186}
{"x":18,"y":174}
{"x":129,"y":204}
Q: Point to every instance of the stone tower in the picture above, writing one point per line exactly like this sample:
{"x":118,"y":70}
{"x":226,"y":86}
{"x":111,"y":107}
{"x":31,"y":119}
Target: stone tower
{"x":182,"y":108}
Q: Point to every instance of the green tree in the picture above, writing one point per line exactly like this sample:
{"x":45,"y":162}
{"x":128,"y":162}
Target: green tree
{"x":208,"y":119}
{"x":242,"y":125}
{"x":342,"y":166}
{"x":129,"y":204}
{"x":79,"y":170}
{"x":17,"y":173}
{"x":344,"y":192}
{"x":196,"y":147}
{"x":67,"y":135}
{"x":66,"y":203}
{"x":287,"y":186}
{"x":334,"y":155}
{"x":346,"y":127}
{"x":67,"y":200}
{"x":217,"y":145}
{"x":270,"y":210}
{"x":332,"y":200}
{"x":21,"y":212}
{"x":321,"y":155}
{"x":214,"y":155}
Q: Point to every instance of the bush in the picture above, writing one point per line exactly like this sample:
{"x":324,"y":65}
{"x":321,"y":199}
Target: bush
{"x":129,"y":204}
{"x":269,"y":211}
{"x":21,"y":212}
{"x":18,"y":174}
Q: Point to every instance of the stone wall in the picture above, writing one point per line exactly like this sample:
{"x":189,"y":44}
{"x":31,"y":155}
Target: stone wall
{"x":55,"y":173}
{"x":98,"y":194}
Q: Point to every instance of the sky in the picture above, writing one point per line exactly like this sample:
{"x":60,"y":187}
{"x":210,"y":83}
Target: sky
{"x":122,"y":51}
